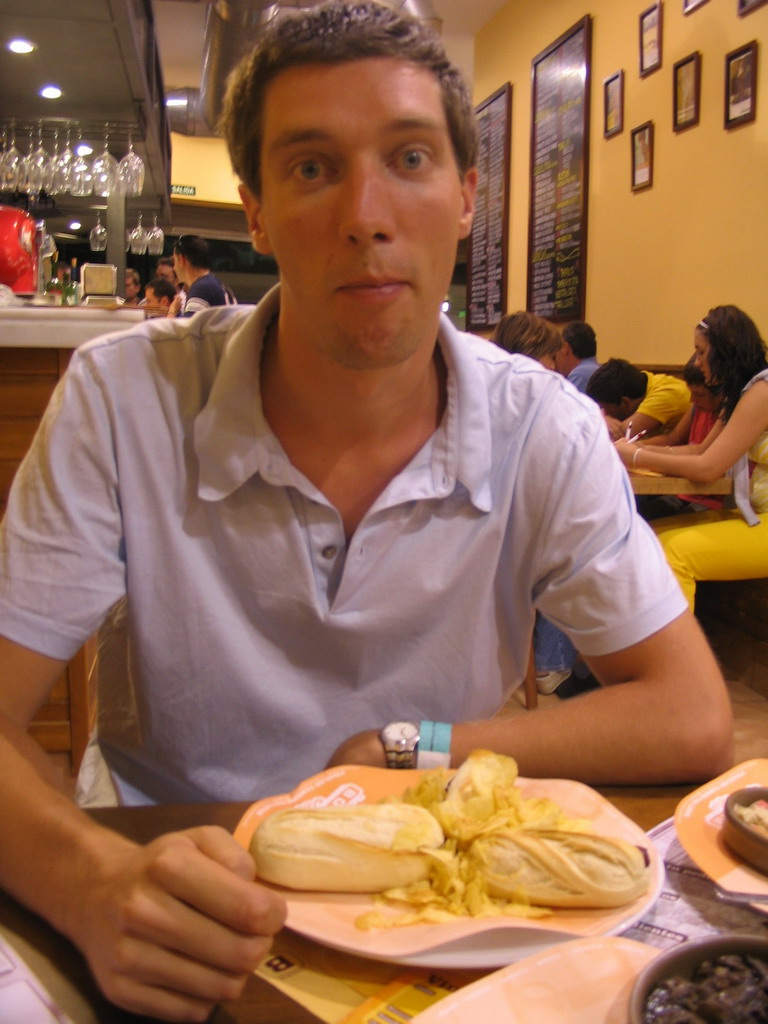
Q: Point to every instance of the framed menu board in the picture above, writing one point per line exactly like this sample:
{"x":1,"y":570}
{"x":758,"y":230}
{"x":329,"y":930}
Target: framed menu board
{"x":557,"y":227}
{"x":487,"y":255}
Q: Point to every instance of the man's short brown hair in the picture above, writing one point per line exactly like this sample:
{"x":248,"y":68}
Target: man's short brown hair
{"x":338,"y":32}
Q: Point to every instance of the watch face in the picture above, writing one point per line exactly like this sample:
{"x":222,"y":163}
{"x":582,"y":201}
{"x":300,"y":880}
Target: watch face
{"x":400,"y":735}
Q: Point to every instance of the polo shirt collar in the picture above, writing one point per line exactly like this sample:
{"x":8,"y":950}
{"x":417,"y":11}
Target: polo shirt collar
{"x":233,"y":440}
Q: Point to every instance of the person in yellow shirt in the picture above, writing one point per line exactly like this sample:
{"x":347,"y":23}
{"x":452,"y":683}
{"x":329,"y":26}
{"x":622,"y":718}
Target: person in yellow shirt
{"x":636,"y":401}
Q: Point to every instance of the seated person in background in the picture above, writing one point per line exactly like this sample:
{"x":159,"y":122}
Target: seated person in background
{"x":313,"y":517}
{"x":164,"y":268}
{"x":728,"y":544}
{"x":202,"y":289}
{"x":577,"y":358}
{"x":132,"y":287}
{"x":558,"y":667}
{"x":687,"y":436}
{"x":158,"y":296}
{"x":636,"y":401}
{"x":528,"y":335}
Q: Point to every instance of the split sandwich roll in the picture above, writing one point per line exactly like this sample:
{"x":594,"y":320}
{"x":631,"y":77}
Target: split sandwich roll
{"x":368,"y":848}
{"x":561,"y":869}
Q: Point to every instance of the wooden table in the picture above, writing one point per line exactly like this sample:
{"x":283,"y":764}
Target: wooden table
{"x":261,"y":1003}
{"x":643,"y":484}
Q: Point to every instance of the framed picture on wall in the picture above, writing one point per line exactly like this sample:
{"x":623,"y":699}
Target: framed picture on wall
{"x":613,"y":104}
{"x":745,"y":6}
{"x":741,"y":85}
{"x":650,"y":39}
{"x":691,"y":5}
{"x":686,"y":92}
{"x":642,"y":156}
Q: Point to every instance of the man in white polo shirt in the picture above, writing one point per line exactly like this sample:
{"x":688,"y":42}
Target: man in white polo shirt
{"x":313,"y":520}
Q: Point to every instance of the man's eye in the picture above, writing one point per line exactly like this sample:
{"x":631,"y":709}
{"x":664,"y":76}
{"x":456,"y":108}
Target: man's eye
{"x":309,"y":170}
{"x":412,"y":159}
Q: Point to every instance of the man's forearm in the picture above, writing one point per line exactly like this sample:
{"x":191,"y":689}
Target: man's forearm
{"x":47,"y":841}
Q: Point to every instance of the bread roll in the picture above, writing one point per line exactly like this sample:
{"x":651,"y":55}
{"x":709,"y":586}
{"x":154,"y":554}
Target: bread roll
{"x":561,"y":869}
{"x":368,"y":848}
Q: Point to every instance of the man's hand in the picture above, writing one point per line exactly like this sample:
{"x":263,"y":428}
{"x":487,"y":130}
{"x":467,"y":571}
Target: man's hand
{"x":363,"y":748}
{"x":172,"y":928}
{"x":616,"y":428}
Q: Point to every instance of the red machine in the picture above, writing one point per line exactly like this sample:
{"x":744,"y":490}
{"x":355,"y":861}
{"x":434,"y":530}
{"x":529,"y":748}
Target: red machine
{"x":18,"y":253}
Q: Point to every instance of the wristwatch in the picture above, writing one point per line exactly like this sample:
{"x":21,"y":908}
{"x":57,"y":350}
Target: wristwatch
{"x":401,"y":743}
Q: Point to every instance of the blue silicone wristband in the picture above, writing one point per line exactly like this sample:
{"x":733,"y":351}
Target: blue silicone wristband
{"x":434,"y":745}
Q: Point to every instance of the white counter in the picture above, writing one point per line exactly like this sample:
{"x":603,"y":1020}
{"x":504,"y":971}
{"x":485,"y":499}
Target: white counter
{"x":60,"y":326}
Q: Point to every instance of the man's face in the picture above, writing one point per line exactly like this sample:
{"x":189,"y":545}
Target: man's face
{"x":166,"y":271}
{"x":622,"y":409}
{"x":179,"y":264}
{"x":131,"y":287}
{"x":565,"y":359}
{"x":362,"y":206}
{"x":156,"y":300}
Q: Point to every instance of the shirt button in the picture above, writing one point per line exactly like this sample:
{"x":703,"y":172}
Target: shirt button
{"x":329,"y":551}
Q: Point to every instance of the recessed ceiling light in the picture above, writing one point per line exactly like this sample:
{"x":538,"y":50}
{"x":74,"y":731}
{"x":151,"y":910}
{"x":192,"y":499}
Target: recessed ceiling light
{"x":51,"y":92}
{"x":75,"y":225}
{"x":83,"y":149}
{"x":21,"y":46}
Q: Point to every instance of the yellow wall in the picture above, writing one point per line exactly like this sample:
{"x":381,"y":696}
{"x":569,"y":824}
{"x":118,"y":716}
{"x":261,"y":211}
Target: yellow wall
{"x":203,"y":163}
{"x":657,"y":259}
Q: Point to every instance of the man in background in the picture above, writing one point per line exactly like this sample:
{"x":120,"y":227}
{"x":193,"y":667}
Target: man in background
{"x":202,"y":289}
{"x":637,"y":401}
{"x":164,"y":268}
{"x":158,"y":296}
{"x":132,"y":287}
{"x":577,"y":359}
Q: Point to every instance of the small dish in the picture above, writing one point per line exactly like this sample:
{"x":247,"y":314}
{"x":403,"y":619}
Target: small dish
{"x":746,"y":840}
{"x":683,"y":960}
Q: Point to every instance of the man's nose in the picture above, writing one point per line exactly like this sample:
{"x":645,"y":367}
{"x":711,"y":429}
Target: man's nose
{"x":366,"y":205}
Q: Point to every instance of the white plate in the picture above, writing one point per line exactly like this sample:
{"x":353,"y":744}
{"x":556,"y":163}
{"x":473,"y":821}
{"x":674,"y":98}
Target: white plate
{"x":587,"y":981}
{"x":329,"y":918}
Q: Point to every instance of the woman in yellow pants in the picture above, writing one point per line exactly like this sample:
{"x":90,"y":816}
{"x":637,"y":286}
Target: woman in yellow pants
{"x":728,"y":545}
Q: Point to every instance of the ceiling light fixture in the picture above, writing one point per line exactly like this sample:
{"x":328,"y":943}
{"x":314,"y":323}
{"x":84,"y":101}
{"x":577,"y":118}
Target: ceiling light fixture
{"x":21,"y":46}
{"x":50,"y":92}
{"x":75,"y":225}
{"x":83,"y":149}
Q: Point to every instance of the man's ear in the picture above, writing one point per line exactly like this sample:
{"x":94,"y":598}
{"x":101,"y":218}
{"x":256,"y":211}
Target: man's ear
{"x":468,"y":194}
{"x":255,"y":219}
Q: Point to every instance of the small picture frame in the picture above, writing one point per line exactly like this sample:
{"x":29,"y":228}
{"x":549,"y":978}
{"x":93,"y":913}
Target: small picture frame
{"x":691,"y":5}
{"x":613,"y":104}
{"x":747,"y":6}
{"x":686,"y":92}
{"x":741,"y":85}
{"x":650,"y":39}
{"x":642,"y":156}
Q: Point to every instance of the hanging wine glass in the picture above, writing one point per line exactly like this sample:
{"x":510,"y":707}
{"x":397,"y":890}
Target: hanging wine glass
{"x":155,"y":239}
{"x":36,"y":164}
{"x":49,"y":168}
{"x":62,"y":175}
{"x":81,"y":183}
{"x":25,"y":167}
{"x":104,"y":169}
{"x":130,"y":172}
{"x":11,"y":164}
{"x":98,"y":236}
{"x":139,"y":237}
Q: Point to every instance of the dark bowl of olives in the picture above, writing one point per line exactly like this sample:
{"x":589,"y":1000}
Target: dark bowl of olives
{"x":719,"y":979}
{"x":745,"y":825}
